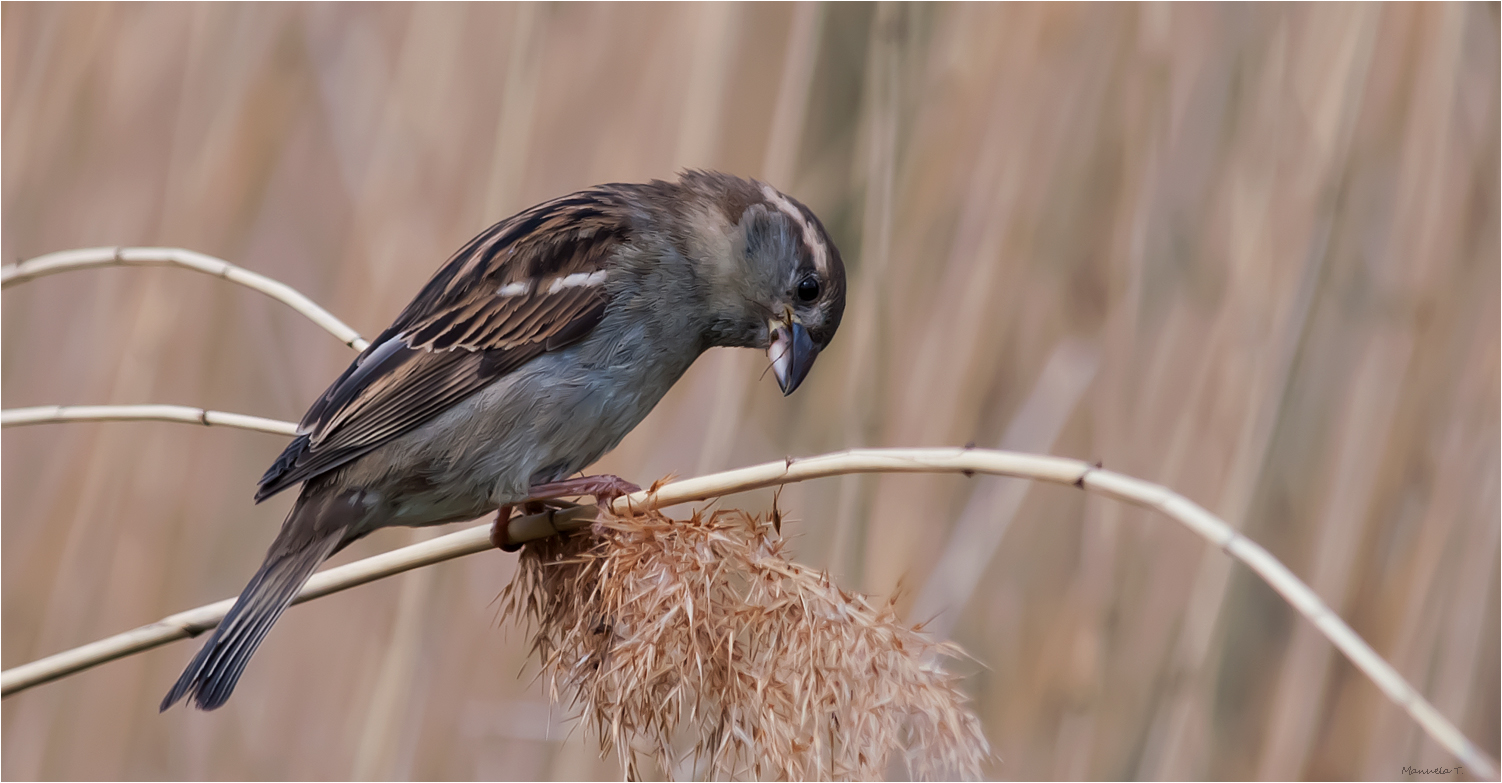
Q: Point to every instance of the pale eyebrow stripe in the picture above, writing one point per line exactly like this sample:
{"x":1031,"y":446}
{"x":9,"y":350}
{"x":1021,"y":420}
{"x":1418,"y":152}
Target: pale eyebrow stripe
{"x":815,"y":245}
{"x":577,"y":280}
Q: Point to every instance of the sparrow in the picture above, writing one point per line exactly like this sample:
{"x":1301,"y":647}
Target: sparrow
{"x":531,"y":353}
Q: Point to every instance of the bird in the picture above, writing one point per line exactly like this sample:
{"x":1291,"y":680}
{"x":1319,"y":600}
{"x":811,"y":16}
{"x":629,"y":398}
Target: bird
{"x":531,"y":353}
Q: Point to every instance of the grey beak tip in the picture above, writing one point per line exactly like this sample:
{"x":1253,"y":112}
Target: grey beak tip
{"x":804,"y":353}
{"x":795,"y":353}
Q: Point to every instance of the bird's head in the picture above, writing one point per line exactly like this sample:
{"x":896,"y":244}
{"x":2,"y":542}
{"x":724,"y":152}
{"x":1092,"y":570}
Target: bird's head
{"x":775,"y":279}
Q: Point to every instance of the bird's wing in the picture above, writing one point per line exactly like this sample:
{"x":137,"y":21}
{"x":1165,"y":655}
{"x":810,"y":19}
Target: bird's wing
{"x":530,"y":284}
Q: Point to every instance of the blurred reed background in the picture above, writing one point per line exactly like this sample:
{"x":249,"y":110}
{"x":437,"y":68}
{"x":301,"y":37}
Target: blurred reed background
{"x":1250,"y":252}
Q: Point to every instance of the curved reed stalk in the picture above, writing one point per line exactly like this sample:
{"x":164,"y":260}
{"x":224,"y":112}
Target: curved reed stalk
{"x":44,"y":414}
{"x":97,"y":257}
{"x":933,"y":460}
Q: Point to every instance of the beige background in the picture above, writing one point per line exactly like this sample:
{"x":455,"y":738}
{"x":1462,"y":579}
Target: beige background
{"x":1247,"y":251}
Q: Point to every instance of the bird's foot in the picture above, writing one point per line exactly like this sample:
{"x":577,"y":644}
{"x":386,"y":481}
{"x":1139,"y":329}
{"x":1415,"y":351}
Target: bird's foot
{"x":605,"y":489}
{"x":499,"y":531}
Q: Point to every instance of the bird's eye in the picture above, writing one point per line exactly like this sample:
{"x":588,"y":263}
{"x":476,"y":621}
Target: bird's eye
{"x":808,"y":289}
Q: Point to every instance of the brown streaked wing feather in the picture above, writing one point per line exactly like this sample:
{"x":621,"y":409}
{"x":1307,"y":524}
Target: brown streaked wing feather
{"x":459,"y":334}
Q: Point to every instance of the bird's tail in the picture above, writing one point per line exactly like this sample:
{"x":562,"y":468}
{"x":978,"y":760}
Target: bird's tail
{"x":305,"y":541}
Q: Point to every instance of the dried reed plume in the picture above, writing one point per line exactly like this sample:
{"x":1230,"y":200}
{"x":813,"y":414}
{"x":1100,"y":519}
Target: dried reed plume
{"x":651,"y":625}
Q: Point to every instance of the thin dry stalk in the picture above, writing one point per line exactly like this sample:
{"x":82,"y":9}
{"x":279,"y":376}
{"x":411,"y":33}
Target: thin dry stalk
{"x":97,"y":257}
{"x":44,"y":414}
{"x":968,"y":461}
{"x":654,"y":626}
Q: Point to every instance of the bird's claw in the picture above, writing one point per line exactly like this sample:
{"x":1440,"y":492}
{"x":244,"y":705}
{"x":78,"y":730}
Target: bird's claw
{"x":605,"y":489}
{"x":500,"y":537}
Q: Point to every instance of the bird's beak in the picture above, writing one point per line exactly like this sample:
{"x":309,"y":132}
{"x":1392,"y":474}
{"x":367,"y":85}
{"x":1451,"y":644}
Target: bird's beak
{"x":792,"y":353}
